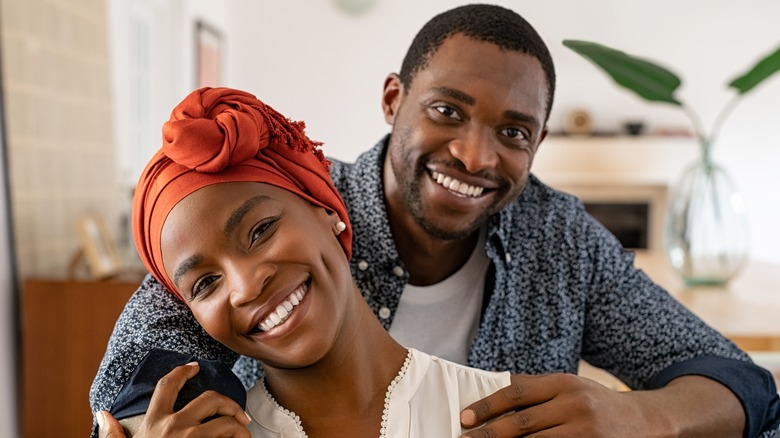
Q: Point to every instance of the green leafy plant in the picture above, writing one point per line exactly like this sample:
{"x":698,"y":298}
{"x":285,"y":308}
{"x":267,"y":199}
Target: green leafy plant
{"x":658,"y":84}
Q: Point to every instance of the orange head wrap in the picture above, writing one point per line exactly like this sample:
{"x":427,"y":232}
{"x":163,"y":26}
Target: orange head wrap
{"x":220,"y":135}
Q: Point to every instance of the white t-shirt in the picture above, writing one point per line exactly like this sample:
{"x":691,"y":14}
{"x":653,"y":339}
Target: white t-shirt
{"x":425,"y":402}
{"x":442,"y":319}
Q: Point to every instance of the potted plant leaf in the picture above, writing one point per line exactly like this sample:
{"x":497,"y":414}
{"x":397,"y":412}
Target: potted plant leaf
{"x":706,"y":230}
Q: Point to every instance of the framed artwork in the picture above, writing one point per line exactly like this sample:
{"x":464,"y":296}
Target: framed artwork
{"x":208,"y":55}
{"x":98,"y":247}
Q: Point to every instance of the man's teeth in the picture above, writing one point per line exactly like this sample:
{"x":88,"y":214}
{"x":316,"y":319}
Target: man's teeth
{"x":282,"y":311}
{"x":457,"y":186}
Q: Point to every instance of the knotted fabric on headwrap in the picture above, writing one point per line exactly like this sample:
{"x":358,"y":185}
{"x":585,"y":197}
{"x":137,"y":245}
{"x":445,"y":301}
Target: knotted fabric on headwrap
{"x":220,"y":135}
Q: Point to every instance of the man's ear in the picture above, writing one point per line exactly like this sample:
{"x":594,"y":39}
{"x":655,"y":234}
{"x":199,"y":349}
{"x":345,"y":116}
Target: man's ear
{"x":391,"y":97}
{"x":545,"y":131}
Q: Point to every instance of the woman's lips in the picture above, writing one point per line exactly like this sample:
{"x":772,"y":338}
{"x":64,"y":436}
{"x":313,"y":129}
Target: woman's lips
{"x":284,"y":309}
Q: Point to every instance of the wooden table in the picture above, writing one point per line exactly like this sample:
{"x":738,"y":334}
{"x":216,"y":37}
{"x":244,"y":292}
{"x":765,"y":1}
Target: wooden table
{"x":747,"y":310}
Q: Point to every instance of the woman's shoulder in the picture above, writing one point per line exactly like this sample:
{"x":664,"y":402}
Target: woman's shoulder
{"x":470,"y":384}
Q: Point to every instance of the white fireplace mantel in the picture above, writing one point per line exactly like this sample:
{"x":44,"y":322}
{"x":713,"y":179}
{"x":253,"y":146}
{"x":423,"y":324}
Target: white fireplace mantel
{"x":617,"y":169}
{"x":614,"y":160}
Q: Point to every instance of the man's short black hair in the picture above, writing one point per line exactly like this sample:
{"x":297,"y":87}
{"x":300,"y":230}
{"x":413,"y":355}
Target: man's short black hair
{"x":488,"y":23}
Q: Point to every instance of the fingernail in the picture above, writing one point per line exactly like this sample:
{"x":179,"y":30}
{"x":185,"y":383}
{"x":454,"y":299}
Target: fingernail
{"x":101,"y":420}
{"x":468,"y":417}
{"x":248,"y":417}
{"x":192,"y":364}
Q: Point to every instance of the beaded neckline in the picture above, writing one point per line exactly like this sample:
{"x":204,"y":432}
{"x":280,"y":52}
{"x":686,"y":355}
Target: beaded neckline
{"x":385,"y":413}
{"x":390,"y":388}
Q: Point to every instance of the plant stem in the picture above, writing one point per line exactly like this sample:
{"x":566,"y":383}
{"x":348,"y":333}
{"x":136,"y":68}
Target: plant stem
{"x":725,"y":112}
{"x":698,"y":129}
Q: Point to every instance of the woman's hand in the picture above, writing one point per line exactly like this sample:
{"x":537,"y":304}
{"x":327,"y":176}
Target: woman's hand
{"x":229,"y":420}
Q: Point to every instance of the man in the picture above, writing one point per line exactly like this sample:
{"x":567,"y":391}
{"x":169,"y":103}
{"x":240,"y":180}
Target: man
{"x":462,"y":253}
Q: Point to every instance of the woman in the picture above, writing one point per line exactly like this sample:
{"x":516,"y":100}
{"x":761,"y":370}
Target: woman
{"x":237,"y":215}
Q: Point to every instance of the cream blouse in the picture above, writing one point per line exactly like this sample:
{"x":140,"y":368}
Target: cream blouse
{"x":423,"y":401}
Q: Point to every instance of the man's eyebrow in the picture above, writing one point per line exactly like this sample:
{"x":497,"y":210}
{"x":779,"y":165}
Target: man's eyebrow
{"x":522,"y":117}
{"x":455,"y":94}
{"x":185,"y":266}
{"x":241,"y":211}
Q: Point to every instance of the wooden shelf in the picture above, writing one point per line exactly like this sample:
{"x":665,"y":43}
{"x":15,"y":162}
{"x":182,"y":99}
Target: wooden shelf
{"x":65,"y":329}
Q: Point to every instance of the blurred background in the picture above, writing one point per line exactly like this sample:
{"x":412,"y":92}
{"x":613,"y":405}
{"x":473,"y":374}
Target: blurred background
{"x":87,"y":84}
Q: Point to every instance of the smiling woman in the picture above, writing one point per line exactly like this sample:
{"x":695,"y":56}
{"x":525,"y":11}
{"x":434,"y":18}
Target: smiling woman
{"x":237,"y":215}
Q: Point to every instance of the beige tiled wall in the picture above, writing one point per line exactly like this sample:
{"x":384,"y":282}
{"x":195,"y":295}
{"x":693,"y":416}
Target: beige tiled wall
{"x":58,"y":113}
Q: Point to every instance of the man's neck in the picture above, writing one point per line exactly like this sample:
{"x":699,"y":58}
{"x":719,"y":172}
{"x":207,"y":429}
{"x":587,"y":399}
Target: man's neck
{"x":430,"y":260}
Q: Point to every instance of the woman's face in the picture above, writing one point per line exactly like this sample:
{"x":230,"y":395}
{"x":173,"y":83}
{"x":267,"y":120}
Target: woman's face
{"x":261,"y":269}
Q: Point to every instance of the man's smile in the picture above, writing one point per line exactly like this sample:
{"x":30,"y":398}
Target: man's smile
{"x":456,"y":185}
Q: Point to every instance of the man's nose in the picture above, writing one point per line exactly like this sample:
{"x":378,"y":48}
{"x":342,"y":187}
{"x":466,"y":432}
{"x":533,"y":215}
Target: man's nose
{"x":477,"y":149}
{"x":248,"y":280}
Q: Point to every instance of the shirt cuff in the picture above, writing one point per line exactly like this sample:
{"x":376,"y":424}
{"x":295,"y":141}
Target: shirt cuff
{"x":754,"y":387}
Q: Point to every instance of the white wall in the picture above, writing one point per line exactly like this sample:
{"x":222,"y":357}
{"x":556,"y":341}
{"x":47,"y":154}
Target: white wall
{"x":314,"y":62}
{"x":163,"y":61}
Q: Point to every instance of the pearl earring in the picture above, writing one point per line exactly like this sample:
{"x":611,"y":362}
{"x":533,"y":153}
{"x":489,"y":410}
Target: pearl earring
{"x":340,"y":226}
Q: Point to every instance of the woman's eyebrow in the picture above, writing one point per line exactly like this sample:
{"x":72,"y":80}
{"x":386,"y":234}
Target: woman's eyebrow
{"x":241,"y":211}
{"x":185,"y":266}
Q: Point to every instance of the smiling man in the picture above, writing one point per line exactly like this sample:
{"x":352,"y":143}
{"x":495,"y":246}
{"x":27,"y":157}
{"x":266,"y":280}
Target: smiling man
{"x":461,"y":252}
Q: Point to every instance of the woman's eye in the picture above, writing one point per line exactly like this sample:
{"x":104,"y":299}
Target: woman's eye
{"x":260,"y":229}
{"x":201,"y":285}
{"x":447,"y":111}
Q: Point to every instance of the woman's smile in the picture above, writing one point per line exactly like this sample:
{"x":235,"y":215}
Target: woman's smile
{"x":283,"y":311}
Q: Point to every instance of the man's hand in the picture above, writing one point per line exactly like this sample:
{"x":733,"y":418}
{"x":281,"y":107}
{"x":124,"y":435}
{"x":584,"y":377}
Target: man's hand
{"x":566,"y":405}
{"x":160,"y":420}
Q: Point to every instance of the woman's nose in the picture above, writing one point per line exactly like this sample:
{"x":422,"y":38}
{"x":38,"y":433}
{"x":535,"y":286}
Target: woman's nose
{"x":247,"y":282}
{"x":477,"y":150}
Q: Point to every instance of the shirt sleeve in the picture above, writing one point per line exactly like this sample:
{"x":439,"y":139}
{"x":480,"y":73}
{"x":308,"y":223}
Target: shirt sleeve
{"x":635,"y":328}
{"x":152,"y":318}
{"x":637,"y":331}
{"x":754,"y":387}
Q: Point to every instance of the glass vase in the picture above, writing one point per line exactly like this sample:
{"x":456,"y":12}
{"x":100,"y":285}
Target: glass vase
{"x":706,"y":235}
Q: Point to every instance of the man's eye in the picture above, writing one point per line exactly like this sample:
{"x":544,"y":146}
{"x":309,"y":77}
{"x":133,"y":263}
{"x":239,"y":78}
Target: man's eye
{"x":447,"y":111}
{"x":512,"y":132}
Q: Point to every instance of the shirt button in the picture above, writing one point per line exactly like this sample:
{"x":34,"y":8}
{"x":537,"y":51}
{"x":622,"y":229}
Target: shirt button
{"x":398,"y":271}
{"x":508,"y":257}
{"x":362,"y":265}
{"x":384,"y":313}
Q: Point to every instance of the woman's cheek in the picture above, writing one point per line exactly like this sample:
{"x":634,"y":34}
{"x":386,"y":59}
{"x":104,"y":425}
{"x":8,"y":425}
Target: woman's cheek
{"x":215,"y":321}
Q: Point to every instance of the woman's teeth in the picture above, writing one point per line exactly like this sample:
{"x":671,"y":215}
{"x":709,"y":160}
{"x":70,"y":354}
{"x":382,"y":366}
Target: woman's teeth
{"x":282,"y":311}
{"x":457,"y":186}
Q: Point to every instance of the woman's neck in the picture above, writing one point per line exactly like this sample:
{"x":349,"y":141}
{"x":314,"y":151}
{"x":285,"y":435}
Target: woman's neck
{"x":344,"y":392}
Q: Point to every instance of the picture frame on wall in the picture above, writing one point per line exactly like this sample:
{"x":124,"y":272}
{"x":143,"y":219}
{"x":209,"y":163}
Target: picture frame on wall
{"x":98,"y":247}
{"x":208,"y":55}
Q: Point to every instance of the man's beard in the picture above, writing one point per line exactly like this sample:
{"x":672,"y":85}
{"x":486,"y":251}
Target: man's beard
{"x":412,"y":196}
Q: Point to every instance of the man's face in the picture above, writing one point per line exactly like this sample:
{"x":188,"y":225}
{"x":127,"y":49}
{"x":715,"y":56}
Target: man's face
{"x":464,"y":135}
